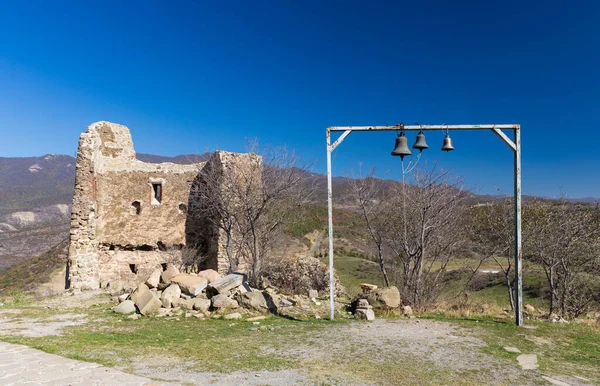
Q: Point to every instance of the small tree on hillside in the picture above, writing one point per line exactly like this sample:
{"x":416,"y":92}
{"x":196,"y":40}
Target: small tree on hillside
{"x":367,"y":194}
{"x":563,"y":238}
{"x":426,"y":229}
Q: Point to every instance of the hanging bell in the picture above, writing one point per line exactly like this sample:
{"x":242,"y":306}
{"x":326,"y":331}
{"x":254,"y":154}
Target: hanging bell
{"x":401,"y":148}
{"x":420,"y":143}
{"x":447,"y":144}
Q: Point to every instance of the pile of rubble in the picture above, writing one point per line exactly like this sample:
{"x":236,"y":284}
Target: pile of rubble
{"x":171,"y":293}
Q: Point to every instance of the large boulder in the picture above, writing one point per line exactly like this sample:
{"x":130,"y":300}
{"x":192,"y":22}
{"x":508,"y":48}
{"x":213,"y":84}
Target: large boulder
{"x":384,"y":298}
{"x":221,"y":301}
{"x":148,"y":303}
{"x":125,"y":308}
{"x":253,"y":301}
{"x":190,"y":284}
{"x":210,"y":275}
{"x":170,"y":295}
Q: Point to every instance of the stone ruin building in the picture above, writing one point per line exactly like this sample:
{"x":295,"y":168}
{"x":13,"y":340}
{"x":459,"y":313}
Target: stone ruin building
{"x":129,"y":217}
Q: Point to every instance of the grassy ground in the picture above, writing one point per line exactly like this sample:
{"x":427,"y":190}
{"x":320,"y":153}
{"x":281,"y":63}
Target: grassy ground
{"x":327,"y":352}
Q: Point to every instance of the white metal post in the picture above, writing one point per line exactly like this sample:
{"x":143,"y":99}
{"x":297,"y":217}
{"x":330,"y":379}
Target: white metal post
{"x":518,"y":235}
{"x":330,"y":229}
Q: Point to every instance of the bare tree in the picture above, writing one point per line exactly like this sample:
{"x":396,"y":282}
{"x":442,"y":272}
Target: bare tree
{"x":249,"y":197}
{"x":426,"y":230}
{"x":491,"y":228}
{"x":563,"y":238}
{"x":367,"y":194}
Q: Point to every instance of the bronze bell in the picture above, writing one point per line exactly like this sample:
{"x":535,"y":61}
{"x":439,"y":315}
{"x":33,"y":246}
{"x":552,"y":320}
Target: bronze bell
{"x":420,"y":143}
{"x":447,"y":144}
{"x":401,"y":148}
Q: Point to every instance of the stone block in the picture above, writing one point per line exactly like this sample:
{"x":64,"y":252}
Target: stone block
{"x":201,"y":305}
{"x":125,"y":308}
{"x":141,"y":289}
{"x":168,"y":274}
{"x":223,"y":301}
{"x":148,"y":303}
{"x":226,"y":283}
{"x":253,"y":301}
{"x":170,"y":295}
{"x":210,"y":275}
{"x":190,"y":284}
{"x":154,"y":279}
{"x":365,"y":314}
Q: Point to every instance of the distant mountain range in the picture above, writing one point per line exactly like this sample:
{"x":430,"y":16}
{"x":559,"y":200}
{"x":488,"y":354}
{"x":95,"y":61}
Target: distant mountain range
{"x":34,"y":182}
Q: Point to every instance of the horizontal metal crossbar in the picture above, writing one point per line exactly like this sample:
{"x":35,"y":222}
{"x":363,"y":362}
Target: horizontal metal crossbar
{"x":425,"y":127}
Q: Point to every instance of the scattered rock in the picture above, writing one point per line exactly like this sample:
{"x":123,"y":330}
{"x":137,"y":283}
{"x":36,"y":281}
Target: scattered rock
{"x":365,"y":314}
{"x":313,"y":294}
{"x":190,"y":284}
{"x":222,"y":301}
{"x":528,"y":361}
{"x":134,"y":316}
{"x":187,"y":304}
{"x":407,"y":311}
{"x":169,"y":273}
{"x":154,"y":279}
{"x":226,"y":283}
{"x":125,"y":308}
{"x":170,"y":295}
{"x":210,"y":275}
{"x":148,"y":303}
{"x":235,"y":315}
{"x":141,"y":288}
{"x":201,"y":304}
{"x":253,"y":300}
{"x":285,"y":303}
{"x":512,"y":349}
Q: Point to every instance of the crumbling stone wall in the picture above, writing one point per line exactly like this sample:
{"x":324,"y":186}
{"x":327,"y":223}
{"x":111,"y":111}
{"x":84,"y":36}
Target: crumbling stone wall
{"x":129,"y":216}
{"x":229,"y":172}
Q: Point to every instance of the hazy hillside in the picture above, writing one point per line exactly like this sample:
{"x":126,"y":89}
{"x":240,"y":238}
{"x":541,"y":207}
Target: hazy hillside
{"x":32,"y":182}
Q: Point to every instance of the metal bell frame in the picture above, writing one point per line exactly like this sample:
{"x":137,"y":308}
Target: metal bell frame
{"x":515,"y":146}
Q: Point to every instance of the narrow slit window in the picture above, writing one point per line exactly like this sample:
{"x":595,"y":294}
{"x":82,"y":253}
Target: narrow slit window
{"x":136,"y":208}
{"x":157,"y":190}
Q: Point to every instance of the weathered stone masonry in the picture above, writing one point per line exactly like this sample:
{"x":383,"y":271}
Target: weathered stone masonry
{"x":129,"y":216}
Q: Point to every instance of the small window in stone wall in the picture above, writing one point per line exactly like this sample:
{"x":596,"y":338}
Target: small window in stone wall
{"x":136,"y":208}
{"x":157,"y":193}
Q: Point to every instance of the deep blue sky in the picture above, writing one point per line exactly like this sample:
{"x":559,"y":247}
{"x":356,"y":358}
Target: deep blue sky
{"x":189,"y":77}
